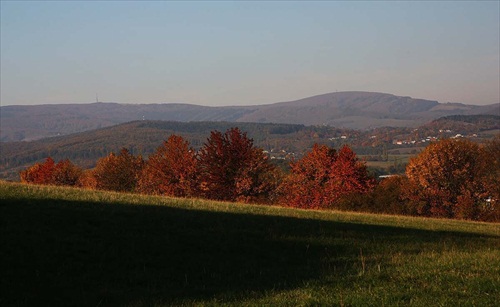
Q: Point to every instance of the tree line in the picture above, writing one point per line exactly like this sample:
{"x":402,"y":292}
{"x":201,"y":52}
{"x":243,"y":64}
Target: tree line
{"x":449,"y":179}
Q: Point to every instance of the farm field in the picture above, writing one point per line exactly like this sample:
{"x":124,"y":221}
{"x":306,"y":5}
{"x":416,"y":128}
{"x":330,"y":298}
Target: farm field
{"x":393,"y":160}
{"x":73,"y":247}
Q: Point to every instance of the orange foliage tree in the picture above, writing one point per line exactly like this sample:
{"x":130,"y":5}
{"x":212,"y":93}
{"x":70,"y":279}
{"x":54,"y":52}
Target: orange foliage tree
{"x":66,"y":173}
{"x":40,"y":173}
{"x":87,"y":180}
{"x":387,"y":196}
{"x":118,"y":172}
{"x":491,"y":179}
{"x":171,"y":170}
{"x":447,"y":180}
{"x":323,"y":176}
{"x":231,"y":168}
{"x":491,"y":165}
{"x":62,"y":173}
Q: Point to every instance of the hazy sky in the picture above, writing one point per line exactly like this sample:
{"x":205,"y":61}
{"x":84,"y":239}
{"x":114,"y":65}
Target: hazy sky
{"x":243,"y":53}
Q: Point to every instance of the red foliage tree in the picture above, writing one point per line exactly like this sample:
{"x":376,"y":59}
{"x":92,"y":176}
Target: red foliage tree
{"x":323,"y":176}
{"x":232,"y":169}
{"x":118,"y":172}
{"x":40,"y":173}
{"x":348,"y":175}
{"x":62,"y":173}
{"x":171,"y":170}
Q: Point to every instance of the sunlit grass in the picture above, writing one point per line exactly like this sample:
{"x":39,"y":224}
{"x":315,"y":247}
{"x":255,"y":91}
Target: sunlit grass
{"x":65,"y":246}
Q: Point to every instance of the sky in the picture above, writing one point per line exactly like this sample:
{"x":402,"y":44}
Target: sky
{"x":247,"y":53}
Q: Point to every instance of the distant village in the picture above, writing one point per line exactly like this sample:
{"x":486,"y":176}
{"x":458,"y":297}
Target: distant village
{"x":430,"y":138}
{"x":413,"y":139}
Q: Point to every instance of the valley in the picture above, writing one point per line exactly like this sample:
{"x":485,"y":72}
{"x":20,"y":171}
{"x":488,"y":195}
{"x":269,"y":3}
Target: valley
{"x":386,"y":149}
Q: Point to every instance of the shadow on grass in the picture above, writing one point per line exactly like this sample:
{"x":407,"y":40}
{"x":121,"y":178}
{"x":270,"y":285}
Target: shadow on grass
{"x":80,"y":253}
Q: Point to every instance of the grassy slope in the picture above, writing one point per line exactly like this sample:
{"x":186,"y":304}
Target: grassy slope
{"x":62,"y":246}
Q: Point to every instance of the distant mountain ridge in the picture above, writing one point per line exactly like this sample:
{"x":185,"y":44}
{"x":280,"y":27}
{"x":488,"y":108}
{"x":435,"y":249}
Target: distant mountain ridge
{"x":354,"y":110}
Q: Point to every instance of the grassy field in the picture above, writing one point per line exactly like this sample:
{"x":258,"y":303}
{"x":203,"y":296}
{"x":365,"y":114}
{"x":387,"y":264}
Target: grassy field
{"x":392,"y":161}
{"x":70,"y":247}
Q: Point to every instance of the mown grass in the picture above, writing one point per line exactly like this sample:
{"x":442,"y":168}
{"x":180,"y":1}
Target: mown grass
{"x":71,"y":247}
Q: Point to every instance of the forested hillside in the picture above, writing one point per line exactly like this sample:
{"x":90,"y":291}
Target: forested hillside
{"x":281,"y":141}
{"x":142,"y":138}
{"x":353,"y":110}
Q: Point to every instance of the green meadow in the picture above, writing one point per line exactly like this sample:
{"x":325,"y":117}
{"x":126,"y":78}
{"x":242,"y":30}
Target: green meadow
{"x":73,"y":247}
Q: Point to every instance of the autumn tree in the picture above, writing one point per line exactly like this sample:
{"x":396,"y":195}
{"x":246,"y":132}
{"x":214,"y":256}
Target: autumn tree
{"x":66,"y":173}
{"x":231,"y":168}
{"x":305,"y":185}
{"x":490,"y":158}
{"x":323,"y":176}
{"x":446,"y":180}
{"x":349,"y":175}
{"x":491,"y":180}
{"x":388,"y":196}
{"x":87,"y":180}
{"x":118,"y":172}
{"x":40,"y":173}
{"x":48,"y":172}
{"x":171,"y":170}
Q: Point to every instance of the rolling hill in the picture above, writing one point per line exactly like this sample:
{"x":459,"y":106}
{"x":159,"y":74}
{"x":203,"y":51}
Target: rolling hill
{"x":141,"y":137}
{"x":354,"y":110}
{"x":280,"y":140}
{"x":73,"y":247}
